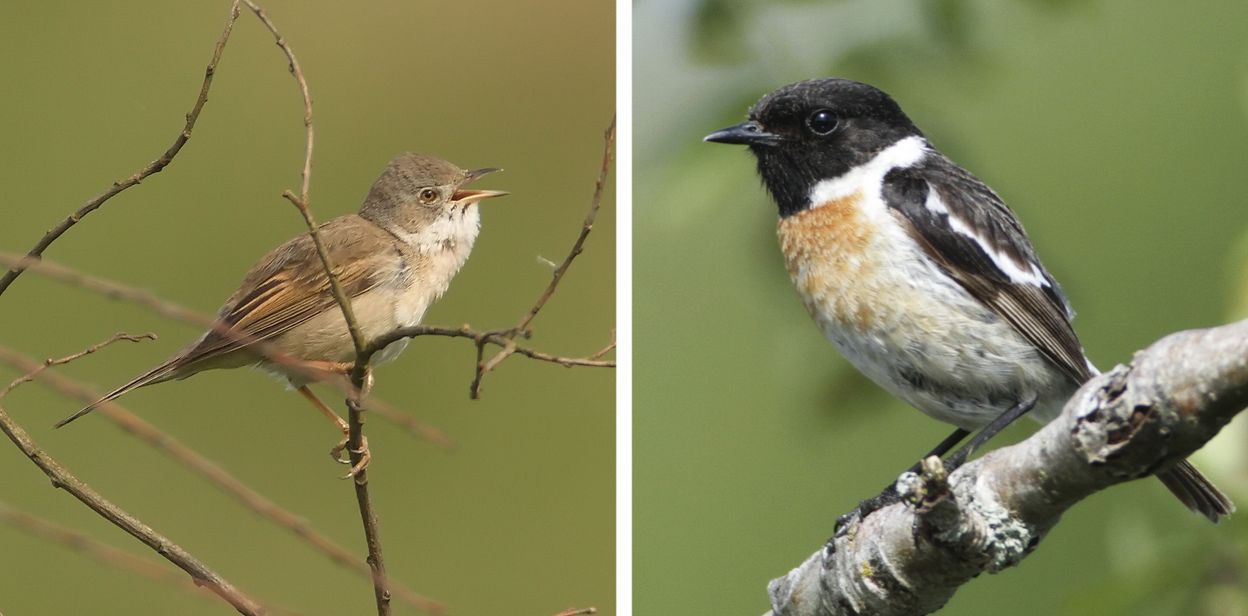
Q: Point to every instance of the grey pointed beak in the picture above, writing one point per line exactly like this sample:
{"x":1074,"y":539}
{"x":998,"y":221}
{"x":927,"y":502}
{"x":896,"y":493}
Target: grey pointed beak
{"x":476,"y":174}
{"x":464,"y":195}
{"x":745,"y":133}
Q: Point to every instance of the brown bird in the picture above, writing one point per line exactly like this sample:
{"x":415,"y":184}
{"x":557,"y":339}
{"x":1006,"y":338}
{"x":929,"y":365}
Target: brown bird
{"x":394,"y":258}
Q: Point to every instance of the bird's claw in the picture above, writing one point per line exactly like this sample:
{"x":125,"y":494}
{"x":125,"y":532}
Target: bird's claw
{"x":864,"y":509}
{"x":336,"y":452}
{"x":366,"y":456}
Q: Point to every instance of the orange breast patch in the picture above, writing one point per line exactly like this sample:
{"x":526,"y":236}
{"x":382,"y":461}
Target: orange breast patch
{"x":827,"y":252}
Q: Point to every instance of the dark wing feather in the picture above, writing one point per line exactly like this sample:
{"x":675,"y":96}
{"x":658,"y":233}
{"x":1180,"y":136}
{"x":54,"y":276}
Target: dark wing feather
{"x":1036,"y":308}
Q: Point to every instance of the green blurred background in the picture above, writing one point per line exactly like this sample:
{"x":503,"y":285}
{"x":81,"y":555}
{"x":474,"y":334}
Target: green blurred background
{"x":519,"y":517}
{"x":1118,"y":130}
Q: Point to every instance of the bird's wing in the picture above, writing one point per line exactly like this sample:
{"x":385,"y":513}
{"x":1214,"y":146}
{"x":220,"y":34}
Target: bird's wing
{"x":967,"y":229}
{"x":285,"y":289}
{"x":289,"y":286}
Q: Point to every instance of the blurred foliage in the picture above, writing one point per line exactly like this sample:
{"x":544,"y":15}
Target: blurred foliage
{"x":519,"y":517}
{"x":1118,"y":134}
{"x":715,"y":29}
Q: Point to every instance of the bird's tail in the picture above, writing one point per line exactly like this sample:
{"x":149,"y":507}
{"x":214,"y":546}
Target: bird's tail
{"x":1196,"y":492}
{"x":158,"y":374}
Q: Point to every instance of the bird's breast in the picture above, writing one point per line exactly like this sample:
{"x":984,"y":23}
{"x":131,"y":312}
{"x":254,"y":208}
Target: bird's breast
{"x":432,"y":257}
{"x":901,"y":320}
{"x":833,"y":254}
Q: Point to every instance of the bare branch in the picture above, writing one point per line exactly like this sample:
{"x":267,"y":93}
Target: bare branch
{"x":153,"y":167}
{"x":60,"y":476}
{"x":521,"y":328}
{"x":34,"y":372}
{"x":65,"y":480}
{"x":495,"y":338}
{"x":909,"y":558}
{"x":604,"y":350}
{"x":574,"y":611}
{"x":356,"y":444}
{"x":355,"y":392}
{"x":578,"y":246}
{"x":103,"y":553}
{"x":301,"y":202}
{"x":212,"y":472}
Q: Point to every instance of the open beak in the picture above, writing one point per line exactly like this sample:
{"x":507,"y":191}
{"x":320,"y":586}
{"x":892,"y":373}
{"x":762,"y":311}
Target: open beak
{"x":464,"y":195}
{"x":745,"y":133}
{"x":476,"y":174}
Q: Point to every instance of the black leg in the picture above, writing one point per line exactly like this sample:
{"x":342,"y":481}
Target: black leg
{"x":939,"y":451}
{"x":1000,"y":423}
{"x":888,"y":495}
{"x":943,"y":448}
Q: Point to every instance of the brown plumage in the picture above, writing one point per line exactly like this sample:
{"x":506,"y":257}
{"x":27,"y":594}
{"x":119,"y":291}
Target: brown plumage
{"x":393,"y":258}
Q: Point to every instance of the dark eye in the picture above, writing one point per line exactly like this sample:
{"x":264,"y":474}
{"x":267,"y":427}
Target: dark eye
{"x":822,"y":122}
{"x":428,"y":196}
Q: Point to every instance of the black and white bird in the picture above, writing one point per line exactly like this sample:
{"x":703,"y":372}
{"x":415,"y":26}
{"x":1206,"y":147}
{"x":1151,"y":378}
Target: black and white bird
{"x":916,"y":270}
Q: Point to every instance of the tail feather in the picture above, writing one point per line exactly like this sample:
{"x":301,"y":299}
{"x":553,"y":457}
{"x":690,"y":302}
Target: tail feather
{"x":1196,"y":491}
{"x":158,"y":374}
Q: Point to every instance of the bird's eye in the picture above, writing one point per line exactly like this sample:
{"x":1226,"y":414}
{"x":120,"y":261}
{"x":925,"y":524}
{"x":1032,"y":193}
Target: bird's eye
{"x":428,"y":196}
{"x":822,"y":122}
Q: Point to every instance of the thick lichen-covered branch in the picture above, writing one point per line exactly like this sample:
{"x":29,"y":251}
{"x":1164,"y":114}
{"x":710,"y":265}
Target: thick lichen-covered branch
{"x":910,"y":558}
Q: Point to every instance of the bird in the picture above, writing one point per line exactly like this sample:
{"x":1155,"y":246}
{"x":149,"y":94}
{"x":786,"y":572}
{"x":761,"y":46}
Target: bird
{"x":917,"y":271}
{"x":393,"y":259}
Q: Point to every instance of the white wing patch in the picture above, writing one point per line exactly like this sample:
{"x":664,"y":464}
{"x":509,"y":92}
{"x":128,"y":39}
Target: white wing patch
{"x":1020,"y":273}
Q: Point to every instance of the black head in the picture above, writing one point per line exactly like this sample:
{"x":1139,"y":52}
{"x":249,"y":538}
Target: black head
{"x":816,"y":130}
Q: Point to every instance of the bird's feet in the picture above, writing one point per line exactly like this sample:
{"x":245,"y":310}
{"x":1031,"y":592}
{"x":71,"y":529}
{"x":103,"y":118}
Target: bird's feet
{"x":864,"y":509}
{"x":366,"y":456}
{"x":336,"y":452}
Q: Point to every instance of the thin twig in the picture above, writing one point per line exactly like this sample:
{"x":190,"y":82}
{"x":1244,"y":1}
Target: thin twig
{"x":521,"y":329}
{"x":34,"y":372}
{"x":483,"y":338}
{"x":495,"y":338}
{"x":356,"y":444}
{"x":60,"y":476}
{"x":174,"y":553}
{"x":607,"y":349}
{"x":579,"y":245}
{"x":578,"y":611}
{"x":103,"y":553}
{"x":301,"y":202}
{"x":210,"y":471}
{"x":153,"y":167}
